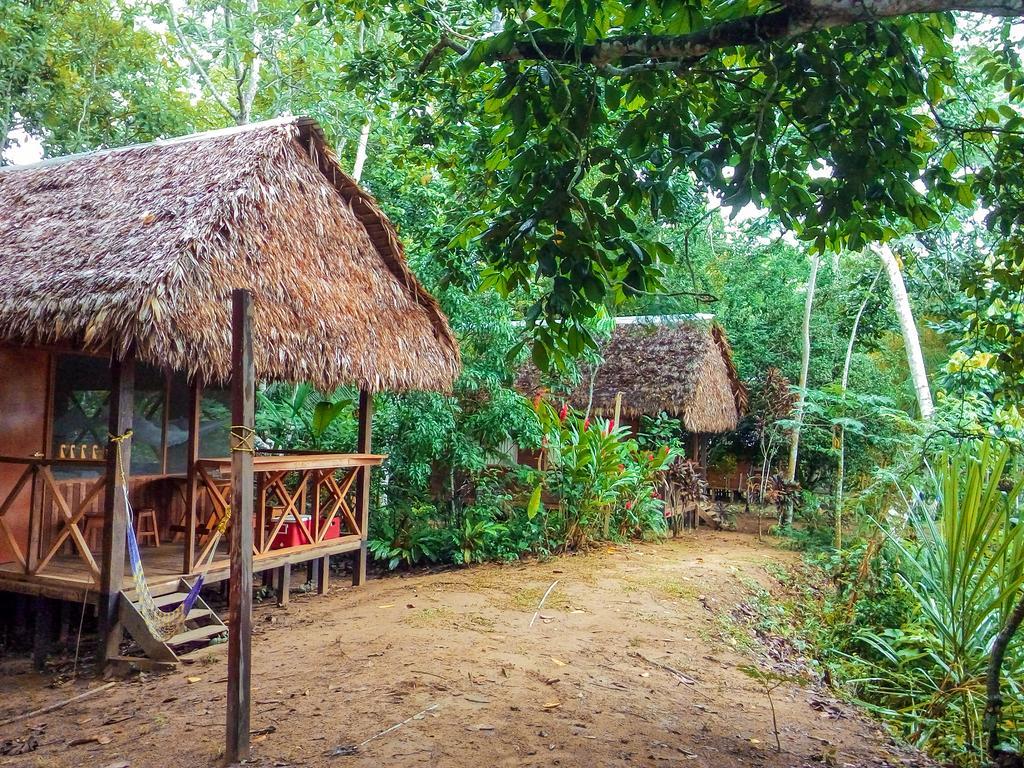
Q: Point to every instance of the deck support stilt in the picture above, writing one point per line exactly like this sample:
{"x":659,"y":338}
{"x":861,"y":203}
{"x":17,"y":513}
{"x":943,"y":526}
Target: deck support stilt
{"x":115,"y":511}
{"x":43,"y":632}
{"x":284,"y":583}
{"x":323,"y":575}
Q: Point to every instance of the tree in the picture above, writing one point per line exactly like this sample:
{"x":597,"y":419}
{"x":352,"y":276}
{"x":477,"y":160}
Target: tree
{"x":843,"y":119}
{"x":86,"y":73}
{"x":805,"y":363}
{"x":908,"y":327}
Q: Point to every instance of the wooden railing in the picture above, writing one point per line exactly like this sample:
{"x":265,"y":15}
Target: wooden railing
{"x":71,"y":509}
{"x":316,"y":493}
{"x":307,"y":490}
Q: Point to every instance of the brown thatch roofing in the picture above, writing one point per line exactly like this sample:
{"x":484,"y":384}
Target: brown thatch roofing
{"x":141,"y":246}
{"x":681,"y":366}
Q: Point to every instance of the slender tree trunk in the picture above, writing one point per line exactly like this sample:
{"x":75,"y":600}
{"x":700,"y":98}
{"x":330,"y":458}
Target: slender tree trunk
{"x":364,"y":140}
{"x":841,"y":434}
{"x":994,"y":705}
{"x":805,"y":363}
{"x":364,"y":135}
{"x":911,"y":340}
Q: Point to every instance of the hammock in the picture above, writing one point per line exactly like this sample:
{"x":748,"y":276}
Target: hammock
{"x":163,"y":623}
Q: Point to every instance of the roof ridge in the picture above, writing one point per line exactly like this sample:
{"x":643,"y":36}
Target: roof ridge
{"x":215,"y":133}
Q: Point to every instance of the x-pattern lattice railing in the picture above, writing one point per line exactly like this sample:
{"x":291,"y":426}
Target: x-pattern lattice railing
{"x":38,"y":476}
{"x":306,"y":491}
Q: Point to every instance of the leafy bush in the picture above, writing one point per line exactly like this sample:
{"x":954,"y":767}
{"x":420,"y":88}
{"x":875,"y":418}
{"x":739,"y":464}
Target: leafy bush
{"x":404,"y":537}
{"x":603,"y":482}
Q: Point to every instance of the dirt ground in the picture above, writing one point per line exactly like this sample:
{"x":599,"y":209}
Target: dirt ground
{"x":633,"y":660}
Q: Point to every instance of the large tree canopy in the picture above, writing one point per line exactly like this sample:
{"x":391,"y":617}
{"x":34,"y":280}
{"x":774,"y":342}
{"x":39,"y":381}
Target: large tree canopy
{"x":849,"y":121}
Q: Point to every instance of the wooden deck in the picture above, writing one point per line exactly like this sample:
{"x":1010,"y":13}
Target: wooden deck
{"x":66,"y":577}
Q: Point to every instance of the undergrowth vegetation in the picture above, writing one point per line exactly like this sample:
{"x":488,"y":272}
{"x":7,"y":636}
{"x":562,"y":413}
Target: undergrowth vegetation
{"x":904,"y":622}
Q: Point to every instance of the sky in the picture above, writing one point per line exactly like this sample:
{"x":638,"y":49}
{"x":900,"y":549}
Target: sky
{"x":23,"y":148}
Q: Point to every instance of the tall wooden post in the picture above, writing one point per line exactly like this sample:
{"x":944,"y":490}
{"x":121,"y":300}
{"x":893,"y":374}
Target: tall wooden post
{"x":363,"y":445}
{"x":115,"y":511}
{"x":243,"y":406}
{"x":195,"y":395}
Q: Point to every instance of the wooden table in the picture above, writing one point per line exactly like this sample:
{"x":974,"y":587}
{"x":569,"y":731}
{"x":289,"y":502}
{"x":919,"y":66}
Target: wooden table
{"x":293,"y":484}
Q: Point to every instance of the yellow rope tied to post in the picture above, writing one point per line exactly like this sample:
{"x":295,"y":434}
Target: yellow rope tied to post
{"x":242,"y":439}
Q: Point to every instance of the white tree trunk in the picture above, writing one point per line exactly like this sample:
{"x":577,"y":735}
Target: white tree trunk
{"x":805,"y":363}
{"x":364,"y":140}
{"x":911,"y":340}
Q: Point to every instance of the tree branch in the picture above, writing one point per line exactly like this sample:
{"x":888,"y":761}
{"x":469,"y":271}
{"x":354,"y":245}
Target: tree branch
{"x":197,"y":65}
{"x":795,"y":18}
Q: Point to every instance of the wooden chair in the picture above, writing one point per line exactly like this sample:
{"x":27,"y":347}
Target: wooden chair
{"x":146,"y":526}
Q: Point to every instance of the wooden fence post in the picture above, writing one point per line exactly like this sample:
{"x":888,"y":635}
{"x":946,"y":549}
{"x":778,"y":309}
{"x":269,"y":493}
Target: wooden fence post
{"x":243,"y":405}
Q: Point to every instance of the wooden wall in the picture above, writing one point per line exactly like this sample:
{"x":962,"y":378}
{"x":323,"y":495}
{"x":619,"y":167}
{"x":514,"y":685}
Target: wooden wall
{"x":24,"y":398}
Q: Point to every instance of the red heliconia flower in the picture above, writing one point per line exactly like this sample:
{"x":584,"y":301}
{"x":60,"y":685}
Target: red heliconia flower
{"x":586,"y":424}
{"x":564,"y":412}
{"x":629,"y":505}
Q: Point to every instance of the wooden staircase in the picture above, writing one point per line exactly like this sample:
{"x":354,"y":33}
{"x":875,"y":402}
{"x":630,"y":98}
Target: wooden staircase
{"x":201,"y":627}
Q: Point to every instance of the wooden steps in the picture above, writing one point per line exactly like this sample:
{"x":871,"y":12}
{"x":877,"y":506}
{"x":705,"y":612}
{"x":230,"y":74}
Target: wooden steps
{"x":202,"y":625}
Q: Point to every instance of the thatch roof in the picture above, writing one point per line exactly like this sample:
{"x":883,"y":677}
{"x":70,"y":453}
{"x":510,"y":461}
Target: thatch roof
{"x":682,"y":366}
{"x":141,"y":246}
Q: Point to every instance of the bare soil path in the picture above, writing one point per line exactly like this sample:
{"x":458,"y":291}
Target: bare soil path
{"x":628,"y":663}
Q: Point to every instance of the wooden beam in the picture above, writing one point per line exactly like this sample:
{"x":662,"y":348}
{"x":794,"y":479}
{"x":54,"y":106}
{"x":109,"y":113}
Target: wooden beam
{"x":243,"y":406}
{"x":363,"y":445}
{"x":195,"y":397}
{"x":115,"y":513}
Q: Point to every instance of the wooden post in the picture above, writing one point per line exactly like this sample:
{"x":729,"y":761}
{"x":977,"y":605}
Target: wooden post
{"x":363,"y":445}
{"x":618,"y":409}
{"x":323,"y":576}
{"x":195,"y":396}
{"x":43,"y":632}
{"x":115,"y":512}
{"x":243,"y":406}
{"x":35,"y":521}
{"x":284,"y":584}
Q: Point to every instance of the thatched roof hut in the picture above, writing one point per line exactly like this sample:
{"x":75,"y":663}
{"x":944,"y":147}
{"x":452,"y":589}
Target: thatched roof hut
{"x":680,"y":365}
{"x":139,"y":248}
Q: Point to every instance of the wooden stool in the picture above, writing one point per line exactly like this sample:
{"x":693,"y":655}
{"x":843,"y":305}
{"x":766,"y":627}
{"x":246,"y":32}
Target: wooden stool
{"x":92,"y":532}
{"x":146,"y":526}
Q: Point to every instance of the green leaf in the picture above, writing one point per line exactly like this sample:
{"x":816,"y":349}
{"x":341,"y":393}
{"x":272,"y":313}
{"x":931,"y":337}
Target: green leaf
{"x":535,"y":503}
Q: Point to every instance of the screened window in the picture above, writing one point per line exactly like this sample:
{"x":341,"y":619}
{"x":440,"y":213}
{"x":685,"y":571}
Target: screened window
{"x":81,"y":408}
